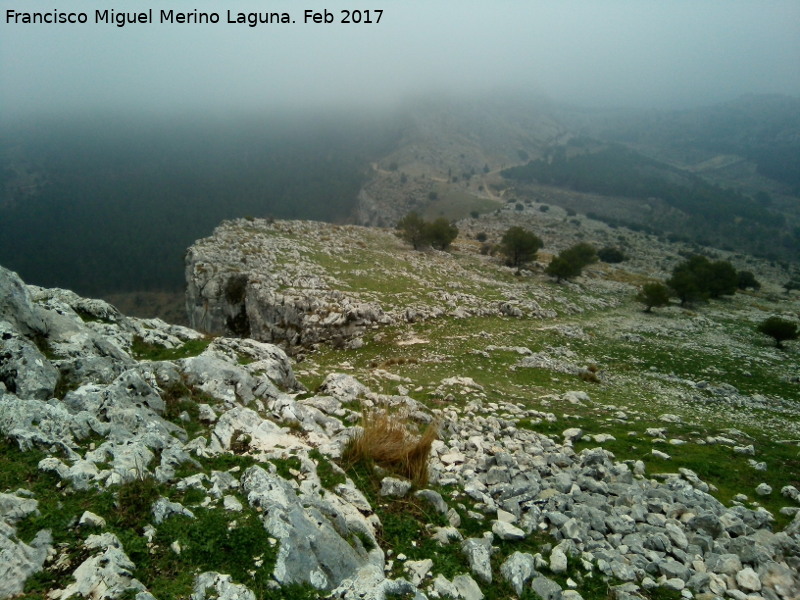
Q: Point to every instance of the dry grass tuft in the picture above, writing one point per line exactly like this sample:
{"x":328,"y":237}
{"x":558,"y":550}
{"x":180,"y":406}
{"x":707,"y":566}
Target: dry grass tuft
{"x":386,"y":439}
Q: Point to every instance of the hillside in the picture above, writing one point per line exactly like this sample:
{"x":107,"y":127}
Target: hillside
{"x":585,"y":449}
{"x":721,"y":175}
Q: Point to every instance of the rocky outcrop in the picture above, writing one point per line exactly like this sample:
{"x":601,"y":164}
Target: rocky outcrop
{"x":250,"y":280}
{"x":299,"y":283}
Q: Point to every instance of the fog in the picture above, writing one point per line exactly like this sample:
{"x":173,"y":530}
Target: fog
{"x":609,"y":53}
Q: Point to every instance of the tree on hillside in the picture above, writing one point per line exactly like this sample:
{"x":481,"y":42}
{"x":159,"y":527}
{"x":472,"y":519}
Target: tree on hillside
{"x":583,"y":253}
{"x":570,"y":262}
{"x":747,"y":280}
{"x":698,"y":278}
{"x":420,"y":233}
{"x":779,"y":329}
{"x":440,"y":233}
{"x":519,"y":246}
{"x":724,"y":280}
{"x":411,"y":228}
{"x":562,"y":268}
{"x":653,"y":295}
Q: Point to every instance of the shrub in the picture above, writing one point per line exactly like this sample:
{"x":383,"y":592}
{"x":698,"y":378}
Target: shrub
{"x":570,"y":262}
{"x":420,"y":233}
{"x":609,"y":254}
{"x":747,"y":280}
{"x":134,"y":500}
{"x":779,"y":329}
{"x":481,"y":237}
{"x":387,"y":440}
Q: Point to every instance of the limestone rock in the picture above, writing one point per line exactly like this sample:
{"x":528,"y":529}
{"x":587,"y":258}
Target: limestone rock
{"x":467,"y":588}
{"x":478,"y":553}
{"x":311,"y":550}
{"x":106,"y":574}
{"x":507,"y":531}
{"x":546,"y":588}
{"x":518,"y":569}
{"x":221,"y":588}
{"x":393,"y":487}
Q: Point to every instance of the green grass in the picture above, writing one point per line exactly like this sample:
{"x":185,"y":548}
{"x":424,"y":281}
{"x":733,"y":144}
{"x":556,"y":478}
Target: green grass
{"x":142,"y":350}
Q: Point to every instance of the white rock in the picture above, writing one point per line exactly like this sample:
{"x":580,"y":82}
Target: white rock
{"x":762,"y":489}
{"x":395,"y":488}
{"x":418,"y":570}
{"x":558,"y":561}
{"x":232,"y":504}
{"x":747,"y":580}
{"x":89,"y":519}
{"x":467,"y":588}
{"x":506,"y":531}
{"x":518,"y":570}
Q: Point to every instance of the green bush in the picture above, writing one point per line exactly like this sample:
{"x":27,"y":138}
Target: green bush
{"x":779,"y":329}
{"x":609,"y":254}
{"x":420,"y":233}
{"x":653,"y":295}
{"x":698,"y":278}
{"x":570,"y":262}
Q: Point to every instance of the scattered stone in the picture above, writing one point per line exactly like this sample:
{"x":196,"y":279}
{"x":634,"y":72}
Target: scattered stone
{"x":467,"y":588}
{"x":573,"y":434}
{"x":478,"y":553}
{"x":558,"y":561}
{"x":395,"y":488}
{"x":89,"y":519}
{"x":747,"y":580}
{"x":417,"y":570}
{"x":546,"y":588}
{"x":518,"y":570}
{"x":507,"y":531}
{"x":762,"y":489}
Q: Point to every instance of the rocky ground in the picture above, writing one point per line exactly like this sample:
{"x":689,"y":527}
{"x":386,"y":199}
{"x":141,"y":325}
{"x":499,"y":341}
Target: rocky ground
{"x":586,"y":450}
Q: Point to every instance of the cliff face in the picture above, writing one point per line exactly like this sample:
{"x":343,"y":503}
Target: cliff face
{"x":257,"y":280}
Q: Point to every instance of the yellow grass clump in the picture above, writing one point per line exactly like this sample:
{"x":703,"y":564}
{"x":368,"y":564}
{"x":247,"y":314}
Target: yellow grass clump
{"x":387,"y":440}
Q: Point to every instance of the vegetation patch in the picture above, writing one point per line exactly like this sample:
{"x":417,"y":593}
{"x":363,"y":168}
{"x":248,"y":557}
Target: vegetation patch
{"x":388,"y":441}
{"x":142,"y":350}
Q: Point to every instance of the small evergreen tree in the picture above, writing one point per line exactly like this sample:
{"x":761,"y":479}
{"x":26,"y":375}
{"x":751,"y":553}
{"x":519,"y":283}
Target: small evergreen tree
{"x":723,"y":279}
{"x":779,"y":329}
{"x":519,"y":246}
{"x":441,"y":233}
{"x":653,"y":295}
{"x":411,"y":228}
{"x":420,"y":233}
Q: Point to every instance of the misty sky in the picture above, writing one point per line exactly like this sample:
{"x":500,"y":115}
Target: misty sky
{"x":630,"y":53}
